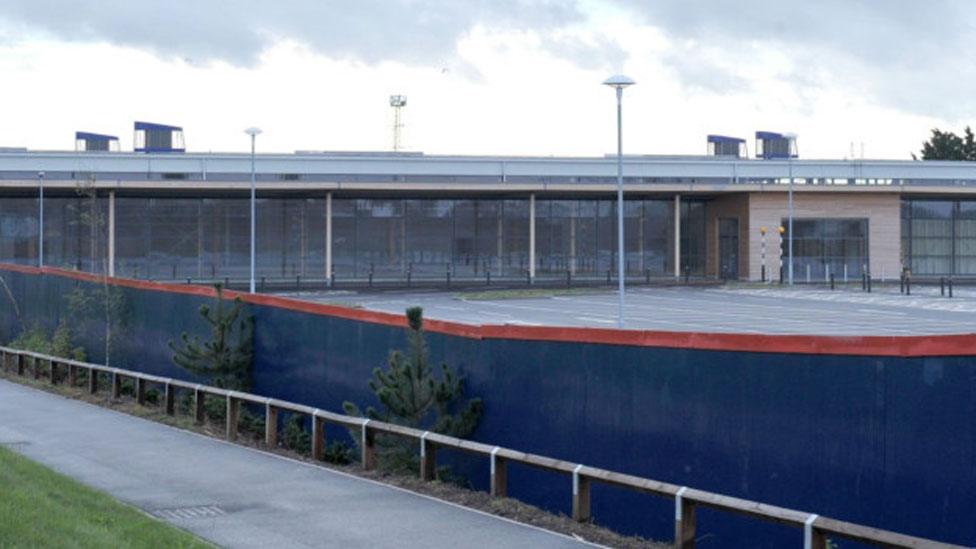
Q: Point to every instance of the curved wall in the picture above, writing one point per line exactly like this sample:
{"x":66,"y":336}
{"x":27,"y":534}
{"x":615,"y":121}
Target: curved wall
{"x":880,"y":431}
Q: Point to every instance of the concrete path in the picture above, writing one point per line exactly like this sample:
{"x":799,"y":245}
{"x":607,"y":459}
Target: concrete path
{"x":235,"y":496}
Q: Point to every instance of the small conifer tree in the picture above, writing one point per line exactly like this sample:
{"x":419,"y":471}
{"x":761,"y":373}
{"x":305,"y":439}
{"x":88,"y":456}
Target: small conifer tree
{"x":410,"y":395}
{"x":225,"y":360}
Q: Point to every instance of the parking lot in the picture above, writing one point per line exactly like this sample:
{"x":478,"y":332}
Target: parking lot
{"x":728,"y":309}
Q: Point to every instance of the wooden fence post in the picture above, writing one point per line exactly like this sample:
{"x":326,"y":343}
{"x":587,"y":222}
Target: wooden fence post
{"x":141,"y":391}
{"x":92,"y":380}
{"x":581,"y":496}
{"x":116,"y":385}
{"x":21,"y":364}
{"x":813,"y":538}
{"x":684,"y":521}
{"x":499,"y":475}
{"x":369,"y":447}
{"x":318,"y":436}
{"x":170,"y":398}
{"x":233,"y":411}
{"x":52,"y":366}
{"x":72,"y":375}
{"x":270,"y":425}
{"x":428,"y":458}
{"x":37,"y":367}
{"x":199,"y":400}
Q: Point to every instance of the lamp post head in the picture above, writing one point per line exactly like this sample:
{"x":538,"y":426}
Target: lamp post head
{"x":253,"y":132}
{"x":40,"y":175}
{"x":619,"y":81}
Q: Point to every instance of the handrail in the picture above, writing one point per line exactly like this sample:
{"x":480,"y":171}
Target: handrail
{"x":815,"y":528}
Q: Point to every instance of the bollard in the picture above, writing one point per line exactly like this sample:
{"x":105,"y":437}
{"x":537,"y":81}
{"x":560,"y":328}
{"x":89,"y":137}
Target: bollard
{"x":608,"y":277}
{"x":569,"y":279}
{"x":488,"y":277}
{"x":908,"y":285}
{"x":864,"y":284}
{"x":298,"y":282}
{"x":687,"y":274}
{"x":942,"y":286}
{"x":808,"y":273}
{"x":332,"y":278}
{"x":869,"y":282}
{"x":409,"y":276}
{"x":831,"y":281}
{"x":262,"y":284}
{"x":370,"y":275}
{"x":901,"y":284}
{"x":647,"y":276}
{"x":762,"y":276}
{"x":781,"y":275}
{"x":448,"y":275}
{"x":845,"y":273}
{"x":950,"y":287}
{"x":188,"y":281}
{"x":226,"y":282}
{"x":528,"y":277}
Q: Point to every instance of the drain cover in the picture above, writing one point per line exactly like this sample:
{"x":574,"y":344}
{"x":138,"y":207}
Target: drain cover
{"x":186,"y":513}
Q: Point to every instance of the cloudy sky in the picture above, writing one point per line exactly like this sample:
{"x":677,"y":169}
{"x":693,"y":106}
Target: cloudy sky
{"x":489,"y":76}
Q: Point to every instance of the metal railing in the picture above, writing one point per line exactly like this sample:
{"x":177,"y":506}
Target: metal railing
{"x":816,"y":529}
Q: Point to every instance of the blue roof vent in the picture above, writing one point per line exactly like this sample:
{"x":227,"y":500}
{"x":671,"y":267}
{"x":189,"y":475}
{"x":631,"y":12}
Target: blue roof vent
{"x":96,"y":142}
{"x":772,"y":145}
{"x":723,"y":145}
{"x":158,"y":138}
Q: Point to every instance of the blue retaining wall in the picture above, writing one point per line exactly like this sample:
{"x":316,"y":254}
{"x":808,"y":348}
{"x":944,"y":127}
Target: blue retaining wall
{"x":887,"y":442}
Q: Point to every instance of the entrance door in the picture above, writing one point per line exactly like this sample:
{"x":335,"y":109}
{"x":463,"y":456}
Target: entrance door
{"x":728,"y":248}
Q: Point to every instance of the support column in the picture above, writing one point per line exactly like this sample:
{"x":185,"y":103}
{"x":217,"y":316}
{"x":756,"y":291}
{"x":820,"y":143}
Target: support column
{"x":501,"y":243}
{"x":328,"y":237}
{"x":677,"y":236}
{"x":572,"y":243}
{"x":532,"y":237}
{"x":111,"y":233}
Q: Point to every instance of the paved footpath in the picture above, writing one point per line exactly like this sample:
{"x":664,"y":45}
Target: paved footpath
{"x":236,"y":496}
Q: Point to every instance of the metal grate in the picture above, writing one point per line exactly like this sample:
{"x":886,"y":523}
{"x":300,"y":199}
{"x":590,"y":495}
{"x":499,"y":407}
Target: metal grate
{"x":189,"y":513}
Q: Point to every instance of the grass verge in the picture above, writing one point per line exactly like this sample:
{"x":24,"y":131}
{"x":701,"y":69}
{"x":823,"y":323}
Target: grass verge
{"x":42,"y":508}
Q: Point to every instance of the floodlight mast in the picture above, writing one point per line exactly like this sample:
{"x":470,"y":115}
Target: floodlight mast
{"x":397,"y":102}
{"x":618,"y":83}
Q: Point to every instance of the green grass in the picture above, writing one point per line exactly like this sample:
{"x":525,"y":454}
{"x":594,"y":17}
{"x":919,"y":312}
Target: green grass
{"x":491,"y":295}
{"x":41,"y":508}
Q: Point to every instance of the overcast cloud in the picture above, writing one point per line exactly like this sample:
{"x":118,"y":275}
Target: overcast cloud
{"x":915,"y":56}
{"x":412,"y":31}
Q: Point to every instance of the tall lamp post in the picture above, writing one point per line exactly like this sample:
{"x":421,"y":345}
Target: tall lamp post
{"x":254,"y":133}
{"x":618,"y":83}
{"x":40,"y":219}
{"x":789,"y":214}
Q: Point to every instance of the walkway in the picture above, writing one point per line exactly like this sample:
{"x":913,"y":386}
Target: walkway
{"x":235,"y":496}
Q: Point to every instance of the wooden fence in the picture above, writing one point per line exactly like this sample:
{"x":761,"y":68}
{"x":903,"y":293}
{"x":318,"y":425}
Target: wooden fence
{"x":816,"y":529}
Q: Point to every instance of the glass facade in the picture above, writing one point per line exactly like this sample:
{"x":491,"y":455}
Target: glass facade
{"x":175,"y":238}
{"x":824,"y":246}
{"x":939,"y":236}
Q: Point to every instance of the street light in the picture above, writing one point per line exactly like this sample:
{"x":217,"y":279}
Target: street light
{"x":254,"y":133}
{"x":791,"y":142}
{"x":619,"y":82}
{"x":40,"y":219}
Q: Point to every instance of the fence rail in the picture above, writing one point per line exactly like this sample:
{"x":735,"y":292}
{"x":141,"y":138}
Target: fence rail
{"x":816,"y":529}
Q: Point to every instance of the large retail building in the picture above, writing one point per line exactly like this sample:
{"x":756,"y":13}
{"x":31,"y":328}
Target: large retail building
{"x":171,"y":215}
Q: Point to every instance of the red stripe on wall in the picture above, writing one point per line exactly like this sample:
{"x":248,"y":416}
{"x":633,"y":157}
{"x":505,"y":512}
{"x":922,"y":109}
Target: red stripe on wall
{"x":896,"y":346}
